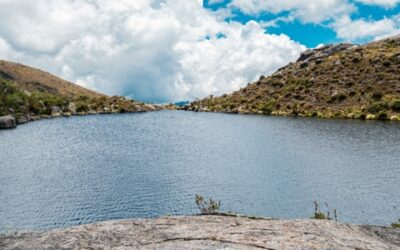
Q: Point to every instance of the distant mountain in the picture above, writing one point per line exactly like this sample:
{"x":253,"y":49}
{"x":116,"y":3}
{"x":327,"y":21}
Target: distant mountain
{"x":182,"y":103}
{"x":28,"y":94}
{"x":342,"y":80}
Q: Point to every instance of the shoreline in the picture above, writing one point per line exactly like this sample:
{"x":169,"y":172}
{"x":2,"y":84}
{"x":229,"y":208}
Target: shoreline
{"x":210,"y":232}
{"x":396,"y":119}
{"x":32,"y":118}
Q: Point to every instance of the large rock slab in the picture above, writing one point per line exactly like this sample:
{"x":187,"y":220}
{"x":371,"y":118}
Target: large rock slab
{"x":7,"y":122}
{"x":209,"y":232}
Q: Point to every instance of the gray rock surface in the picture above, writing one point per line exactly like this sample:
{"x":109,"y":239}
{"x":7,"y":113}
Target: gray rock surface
{"x":55,"y":111}
{"x":7,"y":122}
{"x":325,"y":51}
{"x":209,"y":232}
{"x":22,"y":119}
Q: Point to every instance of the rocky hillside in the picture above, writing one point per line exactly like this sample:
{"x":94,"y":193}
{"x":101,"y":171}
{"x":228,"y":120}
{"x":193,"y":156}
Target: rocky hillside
{"x":210,"y":232}
{"x":30,"y":94}
{"x":343,"y":81}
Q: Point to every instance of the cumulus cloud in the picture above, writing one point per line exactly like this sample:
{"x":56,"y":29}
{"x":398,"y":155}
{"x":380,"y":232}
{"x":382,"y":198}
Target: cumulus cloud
{"x":152,"y":50}
{"x":335,"y":14}
{"x":384,"y":3}
{"x":314,"y":11}
{"x":352,"y":30}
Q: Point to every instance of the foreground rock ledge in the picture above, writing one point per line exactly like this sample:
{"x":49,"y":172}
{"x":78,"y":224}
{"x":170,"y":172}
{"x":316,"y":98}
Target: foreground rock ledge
{"x":209,"y":232}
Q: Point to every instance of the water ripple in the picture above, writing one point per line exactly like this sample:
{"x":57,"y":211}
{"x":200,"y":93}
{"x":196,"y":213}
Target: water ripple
{"x":64,"y":172}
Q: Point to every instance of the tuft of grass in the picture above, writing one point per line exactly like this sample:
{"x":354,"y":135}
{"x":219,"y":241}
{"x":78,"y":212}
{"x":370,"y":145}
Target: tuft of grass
{"x":396,"y":224}
{"x":320,"y":215}
{"x":207,"y":207}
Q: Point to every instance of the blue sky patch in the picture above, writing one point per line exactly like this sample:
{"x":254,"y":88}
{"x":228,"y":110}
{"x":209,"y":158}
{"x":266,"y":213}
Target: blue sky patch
{"x":313,"y":34}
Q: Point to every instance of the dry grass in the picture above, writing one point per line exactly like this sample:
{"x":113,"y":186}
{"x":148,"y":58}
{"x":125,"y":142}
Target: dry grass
{"x":32,"y":79}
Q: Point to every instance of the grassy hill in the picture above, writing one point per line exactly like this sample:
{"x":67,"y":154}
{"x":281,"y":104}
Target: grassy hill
{"x":343,"y":81}
{"x":32,"y":79}
{"x":29,"y":94}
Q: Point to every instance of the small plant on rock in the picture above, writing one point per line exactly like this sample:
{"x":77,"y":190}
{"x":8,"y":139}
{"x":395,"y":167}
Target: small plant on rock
{"x":319,"y":215}
{"x":396,"y":224}
{"x":207,"y":207}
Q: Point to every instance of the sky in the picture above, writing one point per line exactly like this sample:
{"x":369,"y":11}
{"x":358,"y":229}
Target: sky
{"x":176,"y":50}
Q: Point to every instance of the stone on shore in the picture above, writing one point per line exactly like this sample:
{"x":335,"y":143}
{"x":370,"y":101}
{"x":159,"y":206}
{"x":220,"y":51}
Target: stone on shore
{"x":7,"y":122}
{"x":210,"y":232}
{"x":22,"y":119}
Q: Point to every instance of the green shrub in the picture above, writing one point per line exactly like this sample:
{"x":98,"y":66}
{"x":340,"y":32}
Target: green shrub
{"x":207,"y":207}
{"x":376,"y":95}
{"x":81,"y":107}
{"x":395,"y":105}
{"x":377,"y":107}
{"x":382,"y":115}
{"x":341,"y":97}
{"x":267,"y":107}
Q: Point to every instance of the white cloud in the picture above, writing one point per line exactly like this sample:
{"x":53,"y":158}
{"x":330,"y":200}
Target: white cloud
{"x":314,"y":11}
{"x":153,"y":50}
{"x":384,"y":3}
{"x":334,"y":14}
{"x":353,"y":30}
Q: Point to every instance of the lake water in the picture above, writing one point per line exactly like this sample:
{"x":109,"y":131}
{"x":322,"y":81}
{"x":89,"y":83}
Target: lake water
{"x":70,"y":171}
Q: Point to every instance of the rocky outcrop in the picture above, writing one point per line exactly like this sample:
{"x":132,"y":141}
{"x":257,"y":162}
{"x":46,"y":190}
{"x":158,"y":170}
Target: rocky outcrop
{"x":7,"y":122}
{"x":209,"y":232}
{"x":56,"y":111}
{"x":325,"y":51}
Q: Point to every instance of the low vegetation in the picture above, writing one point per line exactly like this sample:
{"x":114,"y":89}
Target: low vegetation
{"x":207,"y":206}
{"x":339,"y":81}
{"x":19,"y":102}
{"x":30,"y":94}
{"x":396,"y":224}
{"x":210,"y":206}
{"x":327,"y":215}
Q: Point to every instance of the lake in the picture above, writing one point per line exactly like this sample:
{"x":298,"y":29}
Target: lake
{"x":70,"y":171}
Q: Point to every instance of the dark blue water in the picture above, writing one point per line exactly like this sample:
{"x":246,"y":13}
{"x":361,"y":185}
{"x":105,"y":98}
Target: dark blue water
{"x":69,"y":171}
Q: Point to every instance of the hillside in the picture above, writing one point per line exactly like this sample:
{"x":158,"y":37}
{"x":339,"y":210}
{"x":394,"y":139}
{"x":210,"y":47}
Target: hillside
{"x":32,"y":79}
{"x":343,"y":81}
{"x":29,"y":94}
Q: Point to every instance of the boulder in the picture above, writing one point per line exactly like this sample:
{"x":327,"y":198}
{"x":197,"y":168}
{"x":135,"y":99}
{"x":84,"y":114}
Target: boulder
{"x":106,"y":110}
{"x":7,"y":122}
{"x":72,"y":108}
{"x":56,"y":111}
{"x":33,"y":118}
{"x":22,"y":119}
